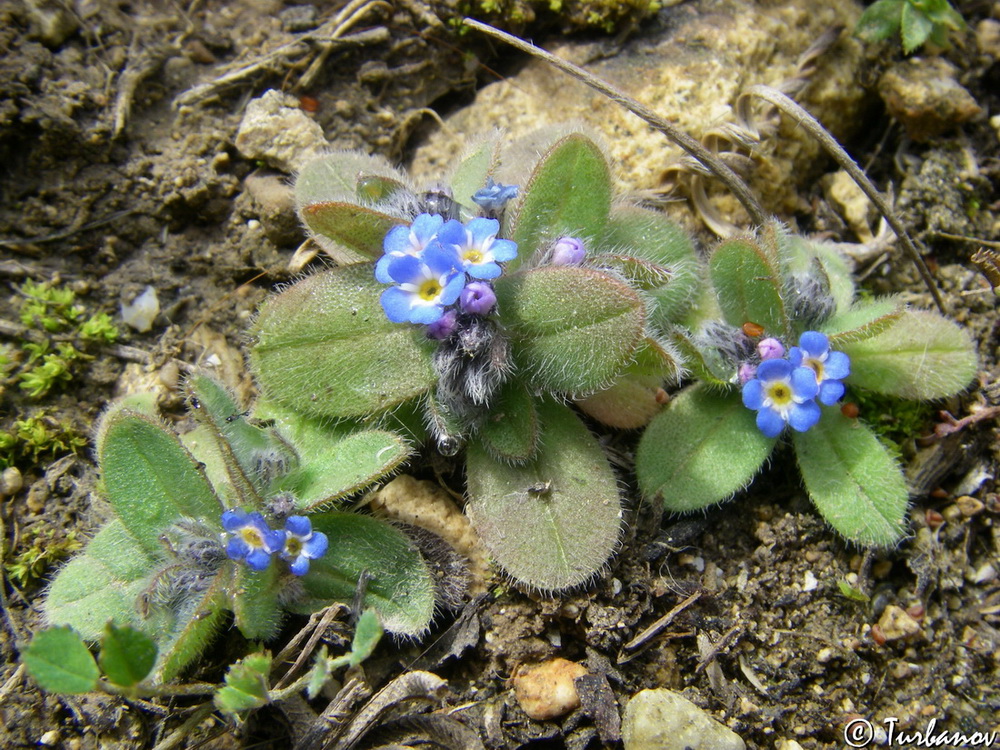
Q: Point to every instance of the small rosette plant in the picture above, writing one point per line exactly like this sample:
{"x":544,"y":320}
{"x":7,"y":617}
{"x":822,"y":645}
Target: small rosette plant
{"x":772,"y":355}
{"x":233,"y":517}
{"x":467,"y":316}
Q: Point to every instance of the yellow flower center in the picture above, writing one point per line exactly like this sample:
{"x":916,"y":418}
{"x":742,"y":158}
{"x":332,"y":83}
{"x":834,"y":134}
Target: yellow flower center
{"x":780,"y":393}
{"x":251,"y":536}
{"x":473,"y":256}
{"x":430,"y":290}
{"x":816,"y":366}
{"x":293,"y":546}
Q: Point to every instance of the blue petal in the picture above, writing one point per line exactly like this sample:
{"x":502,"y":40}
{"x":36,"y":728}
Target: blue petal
{"x":804,"y":383}
{"x":504,"y":250}
{"x":237,"y":549}
{"x":815,"y":343}
{"x":452,"y":233}
{"x":441,"y":258}
{"x":426,"y":226}
{"x":770,"y":422}
{"x":795,"y":356}
{"x":396,"y":304}
{"x":234,"y":520}
{"x":483,"y":270}
{"x":382,"y":268}
{"x":316,"y":546}
{"x":774,"y":369}
{"x":298,"y":526}
{"x":830,"y":392}
{"x":482,"y":230}
{"x":452,"y":289}
{"x":397,"y":241}
{"x":258,"y":559}
{"x":753,"y":394}
{"x":837,"y":366}
{"x":426,"y":314}
{"x":274,"y":541}
{"x":405,"y":269}
{"x":300,"y":567}
{"x":803,"y":416}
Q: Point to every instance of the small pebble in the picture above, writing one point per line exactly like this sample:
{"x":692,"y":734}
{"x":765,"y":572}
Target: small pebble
{"x":11,"y":481}
{"x":50,"y":738}
{"x":661,"y":719}
{"x":924,"y":96}
{"x":37,"y":496}
{"x":969,"y":506}
{"x":546,"y":691}
{"x":896,"y":624}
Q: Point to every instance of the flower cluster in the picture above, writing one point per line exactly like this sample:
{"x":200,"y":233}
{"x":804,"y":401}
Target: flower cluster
{"x":437,"y":264}
{"x":785,"y":391}
{"x":252,"y":541}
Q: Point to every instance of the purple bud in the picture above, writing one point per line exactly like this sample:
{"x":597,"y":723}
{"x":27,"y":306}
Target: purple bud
{"x":770,"y":349}
{"x":443,"y":327}
{"x":568,"y":251}
{"x":477,"y":298}
{"x":746,"y":373}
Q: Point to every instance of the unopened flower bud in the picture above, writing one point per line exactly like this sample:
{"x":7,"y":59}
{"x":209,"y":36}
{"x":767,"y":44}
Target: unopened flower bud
{"x":477,"y":298}
{"x":746,"y":372}
{"x":444,"y":326}
{"x":770,"y":348}
{"x":568,"y":251}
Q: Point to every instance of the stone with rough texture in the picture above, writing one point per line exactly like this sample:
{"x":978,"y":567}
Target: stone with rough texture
{"x":546,"y":691}
{"x":274,"y":130}
{"x":924,"y":96}
{"x":661,"y":719}
{"x":689,"y":65}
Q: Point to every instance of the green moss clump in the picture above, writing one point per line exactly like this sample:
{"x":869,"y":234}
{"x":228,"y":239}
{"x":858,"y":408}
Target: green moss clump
{"x":608,"y":16}
{"x":39,"y":551}
{"x":896,"y":421}
{"x":38,"y":439}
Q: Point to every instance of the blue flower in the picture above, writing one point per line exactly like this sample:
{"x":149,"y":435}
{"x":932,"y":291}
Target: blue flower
{"x":494,"y":196}
{"x":302,"y":544}
{"x":253,"y":541}
{"x":782,"y":393}
{"x":403,"y":240}
{"x":477,"y":246}
{"x":830,"y":367}
{"x":427,"y":284}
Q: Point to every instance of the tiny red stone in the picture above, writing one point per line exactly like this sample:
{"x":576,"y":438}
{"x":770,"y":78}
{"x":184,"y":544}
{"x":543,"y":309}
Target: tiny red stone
{"x":309,"y":104}
{"x":850,"y":410}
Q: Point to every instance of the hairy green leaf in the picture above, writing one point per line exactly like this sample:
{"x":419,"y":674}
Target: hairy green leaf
{"x":554,"y":522}
{"x":473,"y":170}
{"x":854,"y":482}
{"x":700,"y":450}
{"x":921,"y":356}
{"x":654,"y":238}
{"x":150,"y":478}
{"x":510,"y":430}
{"x":359,"y":229}
{"x":569,"y":193}
{"x":399,"y":585}
{"x":748,"y":285}
{"x":324,"y":347}
{"x":862,"y":321}
{"x":336,"y":460}
{"x":571,"y":329}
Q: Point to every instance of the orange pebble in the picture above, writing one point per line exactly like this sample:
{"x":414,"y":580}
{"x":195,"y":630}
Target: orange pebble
{"x":850,"y":410}
{"x":753,"y":330}
{"x":309,"y":104}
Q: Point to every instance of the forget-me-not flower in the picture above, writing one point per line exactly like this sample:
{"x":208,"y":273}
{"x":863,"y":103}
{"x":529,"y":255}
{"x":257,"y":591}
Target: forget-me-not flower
{"x":302,"y":544}
{"x":830,"y":367}
{"x":252,"y":540}
{"x":568,"y":251}
{"x":427,"y":284}
{"x":782,"y":393}
{"x":494,"y":196}
{"x":407,"y":240}
{"x":477,"y":246}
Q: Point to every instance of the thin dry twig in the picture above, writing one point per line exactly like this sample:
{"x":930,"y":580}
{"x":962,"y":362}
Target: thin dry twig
{"x":660,"y":624}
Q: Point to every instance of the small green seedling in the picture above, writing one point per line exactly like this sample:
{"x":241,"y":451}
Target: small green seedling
{"x":916,"y":22}
{"x":236,"y":516}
